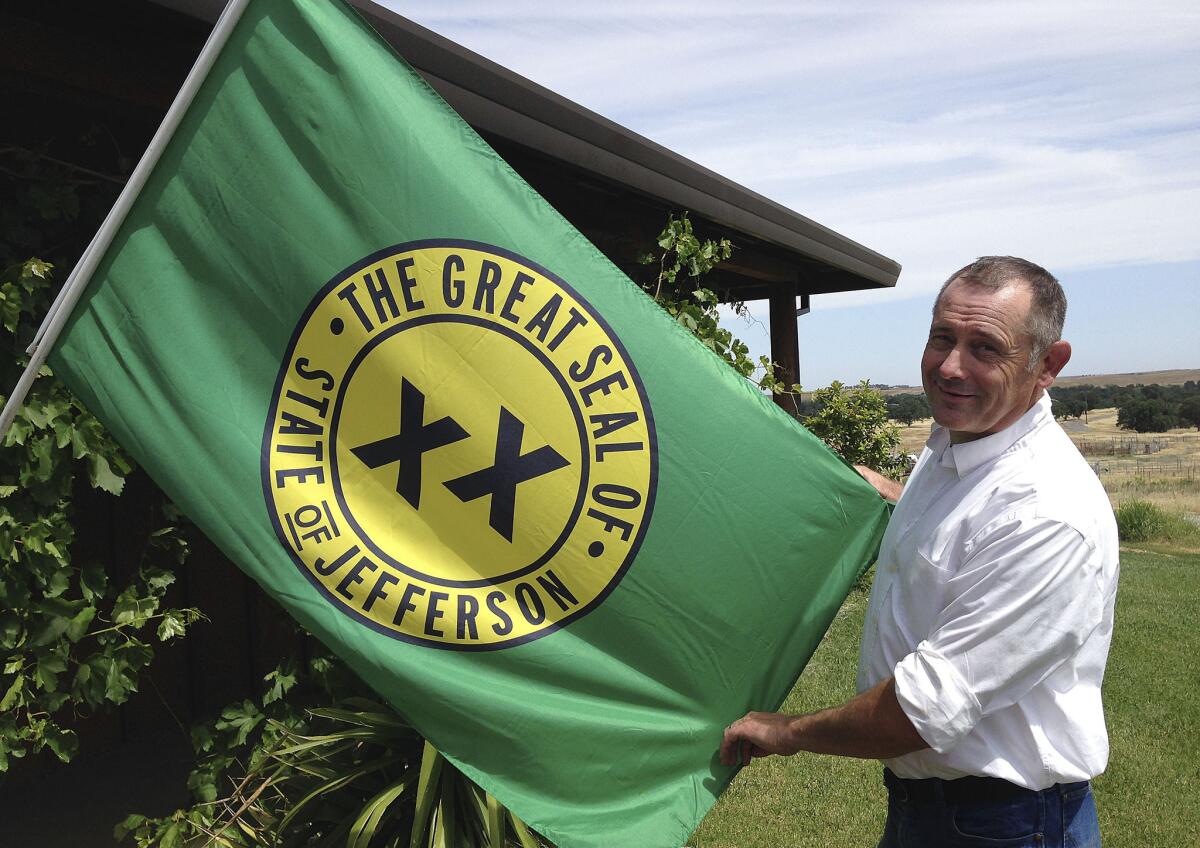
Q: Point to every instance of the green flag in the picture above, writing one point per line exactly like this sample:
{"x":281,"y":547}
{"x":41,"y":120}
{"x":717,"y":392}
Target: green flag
{"x":561,"y":537}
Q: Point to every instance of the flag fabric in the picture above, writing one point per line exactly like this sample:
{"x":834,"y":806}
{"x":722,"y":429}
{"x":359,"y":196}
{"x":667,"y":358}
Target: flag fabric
{"x":562,"y":538}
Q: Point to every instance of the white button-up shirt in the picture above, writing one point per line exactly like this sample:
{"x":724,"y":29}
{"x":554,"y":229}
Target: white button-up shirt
{"x":992,"y":607}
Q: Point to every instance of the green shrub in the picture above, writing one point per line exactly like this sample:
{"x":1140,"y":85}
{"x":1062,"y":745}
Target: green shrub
{"x":1139,"y":521}
{"x":1142,"y":521}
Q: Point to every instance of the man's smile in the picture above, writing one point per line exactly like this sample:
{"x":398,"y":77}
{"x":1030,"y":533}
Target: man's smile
{"x":954,"y":393}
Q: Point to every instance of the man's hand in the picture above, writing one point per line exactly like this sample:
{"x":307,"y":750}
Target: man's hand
{"x":871,"y":725}
{"x":889,"y":489}
{"x":757,"y":735}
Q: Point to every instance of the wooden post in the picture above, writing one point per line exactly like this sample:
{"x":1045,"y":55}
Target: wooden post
{"x":785,"y":343}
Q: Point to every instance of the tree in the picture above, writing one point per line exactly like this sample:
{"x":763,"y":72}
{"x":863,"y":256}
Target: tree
{"x":908,"y":408}
{"x":1189,"y":411}
{"x":1071,"y":408}
{"x":854,"y":422}
{"x":1146,"y":416}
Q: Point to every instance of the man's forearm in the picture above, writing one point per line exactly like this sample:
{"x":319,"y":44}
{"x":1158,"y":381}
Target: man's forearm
{"x":888,"y":488}
{"x":871,"y":725}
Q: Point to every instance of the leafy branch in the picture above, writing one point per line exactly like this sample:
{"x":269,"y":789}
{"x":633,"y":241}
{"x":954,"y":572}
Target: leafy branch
{"x":683,"y":260}
{"x":55,"y":662}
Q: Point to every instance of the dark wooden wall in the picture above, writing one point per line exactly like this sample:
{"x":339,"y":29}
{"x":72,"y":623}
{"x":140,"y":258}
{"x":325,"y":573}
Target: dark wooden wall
{"x":60,"y":64}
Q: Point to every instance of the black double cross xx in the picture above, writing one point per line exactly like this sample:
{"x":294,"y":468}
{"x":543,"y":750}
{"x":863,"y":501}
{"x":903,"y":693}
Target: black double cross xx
{"x":509,"y":469}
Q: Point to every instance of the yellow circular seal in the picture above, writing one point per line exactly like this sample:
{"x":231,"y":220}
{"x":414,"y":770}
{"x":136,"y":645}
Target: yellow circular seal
{"x":459,"y":452}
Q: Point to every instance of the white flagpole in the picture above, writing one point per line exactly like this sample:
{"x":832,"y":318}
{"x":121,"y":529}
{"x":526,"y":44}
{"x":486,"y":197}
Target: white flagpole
{"x":73,"y":288}
{"x":58,"y":298}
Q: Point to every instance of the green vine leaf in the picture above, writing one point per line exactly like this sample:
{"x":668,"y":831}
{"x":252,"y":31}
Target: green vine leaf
{"x":102,"y":475}
{"x":13,"y":696}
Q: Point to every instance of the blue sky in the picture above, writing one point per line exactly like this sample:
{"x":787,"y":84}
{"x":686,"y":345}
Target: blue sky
{"x":1064,"y":132}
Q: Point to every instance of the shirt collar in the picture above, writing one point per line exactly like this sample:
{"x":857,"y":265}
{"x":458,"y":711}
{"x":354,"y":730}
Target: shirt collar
{"x":967,"y":456}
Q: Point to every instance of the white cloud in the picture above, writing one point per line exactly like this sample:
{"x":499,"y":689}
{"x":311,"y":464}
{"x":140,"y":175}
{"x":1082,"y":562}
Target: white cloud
{"x":1068,"y":132}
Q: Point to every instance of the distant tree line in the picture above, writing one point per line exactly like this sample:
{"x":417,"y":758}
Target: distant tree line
{"x":1141,"y":408}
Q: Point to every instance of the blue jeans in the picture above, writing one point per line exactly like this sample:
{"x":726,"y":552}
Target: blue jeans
{"x":927,"y":814}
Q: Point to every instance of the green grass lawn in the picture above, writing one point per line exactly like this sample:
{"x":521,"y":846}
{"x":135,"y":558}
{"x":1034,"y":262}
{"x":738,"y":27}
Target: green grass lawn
{"x":1149,"y":796}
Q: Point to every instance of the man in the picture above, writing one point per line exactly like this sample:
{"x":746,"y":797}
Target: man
{"x":991,"y":612}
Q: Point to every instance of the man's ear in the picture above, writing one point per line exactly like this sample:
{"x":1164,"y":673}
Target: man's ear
{"x":1053,"y":361}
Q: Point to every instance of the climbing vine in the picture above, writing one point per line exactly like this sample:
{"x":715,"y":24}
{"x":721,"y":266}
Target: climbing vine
{"x":682,"y":261}
{"x":72,"y":641}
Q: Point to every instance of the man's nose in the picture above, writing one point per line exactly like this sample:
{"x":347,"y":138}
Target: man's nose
{"x":952,"y":366}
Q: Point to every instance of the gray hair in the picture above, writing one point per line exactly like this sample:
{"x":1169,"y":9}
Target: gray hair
{"x":1047,"y":309}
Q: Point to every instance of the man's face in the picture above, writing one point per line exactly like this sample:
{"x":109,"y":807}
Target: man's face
{"x":974,"y":366}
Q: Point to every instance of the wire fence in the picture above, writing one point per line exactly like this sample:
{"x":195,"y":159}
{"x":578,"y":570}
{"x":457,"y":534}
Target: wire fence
{"x":1184,"y":469}
{"x":1135,"y":445}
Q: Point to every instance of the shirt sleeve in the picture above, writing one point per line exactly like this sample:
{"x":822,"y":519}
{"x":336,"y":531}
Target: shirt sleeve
{"x":1023,"y":601}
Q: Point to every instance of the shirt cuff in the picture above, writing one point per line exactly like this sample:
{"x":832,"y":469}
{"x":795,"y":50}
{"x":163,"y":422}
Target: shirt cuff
{"x":935,"y":698}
